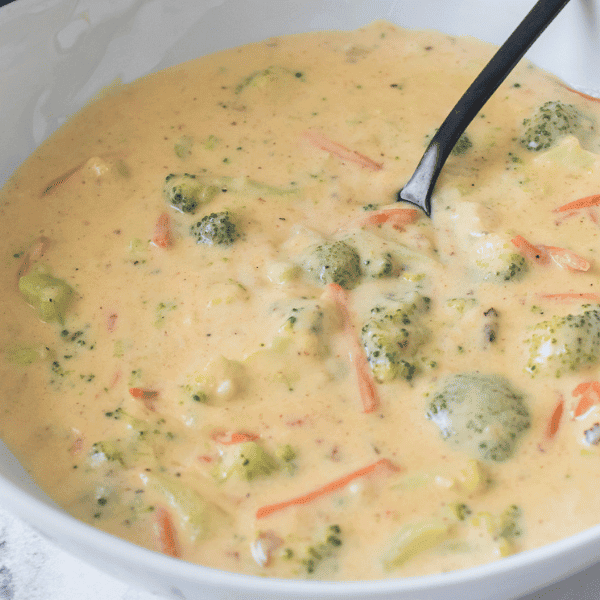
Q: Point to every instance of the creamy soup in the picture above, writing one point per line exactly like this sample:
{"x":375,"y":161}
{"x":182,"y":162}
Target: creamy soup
{"x":223,"y":339}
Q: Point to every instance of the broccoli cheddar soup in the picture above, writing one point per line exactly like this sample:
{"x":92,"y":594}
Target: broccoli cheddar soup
{"x":223,"y":339}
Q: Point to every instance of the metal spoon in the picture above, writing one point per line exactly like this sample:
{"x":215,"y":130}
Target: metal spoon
{"x":420,"y":186}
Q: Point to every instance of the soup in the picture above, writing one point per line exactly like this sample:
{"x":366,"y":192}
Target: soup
{"x":224,"y":340}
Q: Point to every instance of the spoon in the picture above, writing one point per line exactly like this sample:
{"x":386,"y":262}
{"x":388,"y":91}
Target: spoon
{"x":420,"y":186}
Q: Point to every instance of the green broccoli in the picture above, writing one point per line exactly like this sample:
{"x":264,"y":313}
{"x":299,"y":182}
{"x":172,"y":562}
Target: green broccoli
{"x":550,"y":122}
{"x":333,"y":262}
{"x":480,"y":414}
{"x":246,"y":461}
{"x":564,"y":344}
{"x":494,"y":259}
{"x":106,"y":451}
{"x":185,"y":192}
{"x":316,"y":554}
{"x":377,"y":255}
{"x":215,"y":229}
{"x":392,"y":335}
{"x":51,"y":297}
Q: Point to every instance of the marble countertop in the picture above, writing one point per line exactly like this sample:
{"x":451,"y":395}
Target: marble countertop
{"x":32,"y":568}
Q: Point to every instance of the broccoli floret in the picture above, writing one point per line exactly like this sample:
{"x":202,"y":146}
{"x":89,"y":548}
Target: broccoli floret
{"x":318,"y":553}
{"x":564,"y":344}
{"x":333,"y":262}
{"x":480,"y":414}
{"x":392,"y":335}
{"x":246,"y":461}
{"x":106,"y":451}
{"x":51,"y":297}
{"x":185,"y":192}
{"x":550,"y":122}
{"x":199,"y":517}
{"x":377,"y":255}
{"x":463,"y":144}
{"x":215,"y":229}
{"x":412,"y":539}
{"x":495,"y":261}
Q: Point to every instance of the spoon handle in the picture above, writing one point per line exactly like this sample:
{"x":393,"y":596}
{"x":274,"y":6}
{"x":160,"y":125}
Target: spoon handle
{"x":419,"y":188}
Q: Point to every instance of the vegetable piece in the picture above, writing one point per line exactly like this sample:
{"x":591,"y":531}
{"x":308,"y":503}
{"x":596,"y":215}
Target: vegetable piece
{"x":564,"y":344}
{"x":366,"y":385}
{"x":573,"y":296}
{"x":345,"y":154}
{"x":318,"y":553}
{"x":329,"y":488}
{"x":412,"y":539}
{"x":398,"y":218}
{"x":490,"y":327}
{"x":185,"y":192}
{"x":165,"y":532}
{"x":215,"y":229}
{"x":550,"y":122}
{"x":33,"y":254}
{"x":49,"y":296}
{"x":246,"y":461}
{"x":555,"y":419}
{"x":494,"y":259}
{"x":106,"y":451}
{"x":333,"y":262}
{"x":530,"y":251}
{"x":227,"y":438}
{"x":392,"y":335}
{"x":586,"y":202}
{"x":197,"y":516}
{"x":566,"y":259}
{"x":162,"y":231}
{"x":480,"y":414}
{"x":590,"y":395}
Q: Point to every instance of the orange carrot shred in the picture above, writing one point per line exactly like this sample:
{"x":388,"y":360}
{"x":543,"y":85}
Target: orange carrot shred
{"x":328,"y":488}
{"x":555,"y":419}
{"x":586,"y":202}
{"x":530,"y":251}
{"x":566,"y":258}
{"x":162,"y":231}
{"x":345,"y":154}
{"x":366,"y":383}
{"x":165,"y":532}
{"x":229,"y":438}
{"x":397,"y":217}
{"x":590,"y":395}
{"x":142,"y":393}
{"x":572,"y":296}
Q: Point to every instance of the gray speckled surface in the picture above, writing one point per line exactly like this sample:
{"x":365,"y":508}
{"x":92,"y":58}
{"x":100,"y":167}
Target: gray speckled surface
{"x":32,"y":568}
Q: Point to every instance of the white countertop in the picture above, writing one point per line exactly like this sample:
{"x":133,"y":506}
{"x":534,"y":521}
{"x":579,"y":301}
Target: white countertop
{"x":32,"y":568}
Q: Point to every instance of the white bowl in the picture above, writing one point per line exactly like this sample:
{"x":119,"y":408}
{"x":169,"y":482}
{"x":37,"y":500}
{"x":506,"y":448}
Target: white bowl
{"x":57,"y":54}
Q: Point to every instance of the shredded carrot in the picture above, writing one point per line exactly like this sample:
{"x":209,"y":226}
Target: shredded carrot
{"x":582,"y":94}
{"x":328,"y":488}
{"x":111,"y":322}
{"x":345,"y":154}
{"x":229,"y":438}
{"x":586,"y":202}
{"x":530,"y":251}
{"x":142,"y":394}
{"x":555,"y":419}
{"x":33,"y":254}
{"x":566,"y":258}
{"x":397,"y":217}
{"x":590,"y":395}
{"x":364,"y":375}
{"x":572,"y":296}
{"x":162,"y":231}
{"x":165,"y":532}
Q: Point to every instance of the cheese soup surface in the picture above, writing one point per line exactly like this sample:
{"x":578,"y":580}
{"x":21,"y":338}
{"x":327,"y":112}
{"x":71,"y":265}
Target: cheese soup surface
{"x":223,"y":339}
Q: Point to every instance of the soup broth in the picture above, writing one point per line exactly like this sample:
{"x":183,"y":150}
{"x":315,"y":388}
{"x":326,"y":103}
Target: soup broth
{"x":222,"y":338}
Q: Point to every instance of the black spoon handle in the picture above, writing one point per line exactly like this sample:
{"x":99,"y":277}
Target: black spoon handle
{"x":419,"y":188}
